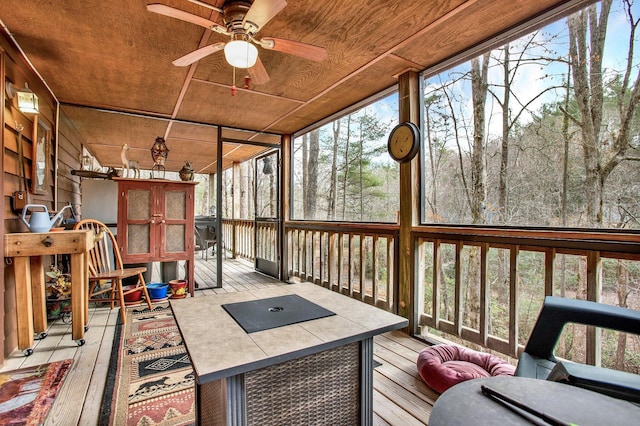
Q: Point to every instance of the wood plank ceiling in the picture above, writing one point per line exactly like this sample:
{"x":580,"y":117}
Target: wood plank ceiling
{"x":105,"y":58}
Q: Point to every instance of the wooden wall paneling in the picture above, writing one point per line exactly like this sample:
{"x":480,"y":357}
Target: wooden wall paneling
{"x":18,"y":71}
{"x":68,"y":185}
{"x":2,"y":267}
{"x":70,"y":143}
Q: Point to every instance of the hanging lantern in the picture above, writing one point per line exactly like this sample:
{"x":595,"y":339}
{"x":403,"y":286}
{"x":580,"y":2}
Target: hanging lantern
{"x":159,"y":153}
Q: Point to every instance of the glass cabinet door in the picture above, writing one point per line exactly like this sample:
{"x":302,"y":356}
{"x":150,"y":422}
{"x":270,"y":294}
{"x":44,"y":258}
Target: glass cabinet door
{"x":175,"y":219}
{"x":138,"y":216}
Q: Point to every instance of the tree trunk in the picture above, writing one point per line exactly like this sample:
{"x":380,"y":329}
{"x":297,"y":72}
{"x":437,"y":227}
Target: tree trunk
{"x":479,"y":88}
{"x":333,"y":186}
{"x":504,"y":157}
{"x":360,"y":175}
{"x":586,"y":63}
{"x":478,"y":172}
{"x":345,"y":177}
{"x":432,"y":197}
{"x":310,"y":149}
{"x":305,"y":176}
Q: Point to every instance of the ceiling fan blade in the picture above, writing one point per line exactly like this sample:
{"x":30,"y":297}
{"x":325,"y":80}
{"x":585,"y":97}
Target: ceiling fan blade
{"x":196,"y":55}
{"x":296,"y":48}
{"x":207,"y":5}
{"x":262,"y":11}
{"x":258,"y":73}
{"x":182,"y":15}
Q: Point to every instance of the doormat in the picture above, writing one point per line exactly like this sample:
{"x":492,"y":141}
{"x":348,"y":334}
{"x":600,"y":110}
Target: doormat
{"x":27,"y":394}
{"x":150,"y":380}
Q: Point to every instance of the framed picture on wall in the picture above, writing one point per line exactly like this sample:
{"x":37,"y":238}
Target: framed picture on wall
{"x":41,"y":157}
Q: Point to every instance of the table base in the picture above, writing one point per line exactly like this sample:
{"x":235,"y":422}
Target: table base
{"x":323,"y":388}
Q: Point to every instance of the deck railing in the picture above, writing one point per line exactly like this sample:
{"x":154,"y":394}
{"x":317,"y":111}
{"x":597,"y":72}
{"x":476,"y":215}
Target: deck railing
{"x":238,"y":238}
{"x":355,"y":259}
{"x":486,"y":286}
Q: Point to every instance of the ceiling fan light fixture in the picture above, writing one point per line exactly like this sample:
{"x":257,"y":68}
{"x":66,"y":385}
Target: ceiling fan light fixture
{"x":241,"y":54}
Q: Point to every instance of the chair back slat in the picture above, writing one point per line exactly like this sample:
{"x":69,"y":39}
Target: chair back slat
{"x":105,"y":255}
{"x":105,"y":263}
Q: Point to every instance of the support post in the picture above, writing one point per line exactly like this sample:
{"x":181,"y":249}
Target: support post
{"x":409,"y":110}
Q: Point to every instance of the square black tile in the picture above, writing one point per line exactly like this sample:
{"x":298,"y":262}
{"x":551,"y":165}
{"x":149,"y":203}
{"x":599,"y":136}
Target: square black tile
{"x":273,"y":312}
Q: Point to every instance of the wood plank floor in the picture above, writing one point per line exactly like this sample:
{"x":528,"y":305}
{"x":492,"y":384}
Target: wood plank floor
{"x":400,"y":396}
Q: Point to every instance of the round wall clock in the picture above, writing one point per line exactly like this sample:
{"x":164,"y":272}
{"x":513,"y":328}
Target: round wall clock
{"x":404,"y":142}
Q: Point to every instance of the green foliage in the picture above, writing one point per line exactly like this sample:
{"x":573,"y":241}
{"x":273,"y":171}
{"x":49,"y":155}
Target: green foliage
{"x":356,"y":180}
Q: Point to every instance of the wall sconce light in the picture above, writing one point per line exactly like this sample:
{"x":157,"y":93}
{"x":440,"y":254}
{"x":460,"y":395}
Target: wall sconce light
{"x":27,"y":100}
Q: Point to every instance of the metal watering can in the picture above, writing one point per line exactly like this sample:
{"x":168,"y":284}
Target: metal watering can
{"x":39,"y":220}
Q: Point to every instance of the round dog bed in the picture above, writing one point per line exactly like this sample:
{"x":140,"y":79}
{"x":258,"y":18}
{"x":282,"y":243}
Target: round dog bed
{"x":443,"y":366}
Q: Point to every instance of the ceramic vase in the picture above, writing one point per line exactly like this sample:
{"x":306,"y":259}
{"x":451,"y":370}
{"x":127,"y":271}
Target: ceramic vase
{"x":186,"y":173}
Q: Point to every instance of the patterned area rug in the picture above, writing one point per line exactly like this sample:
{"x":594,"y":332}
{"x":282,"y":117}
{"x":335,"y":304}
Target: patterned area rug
{"x":26,"y":395}
{"x":150,"y":379}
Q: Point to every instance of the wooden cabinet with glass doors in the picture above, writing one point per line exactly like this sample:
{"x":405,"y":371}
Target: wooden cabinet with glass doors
{"x":156,"y":222}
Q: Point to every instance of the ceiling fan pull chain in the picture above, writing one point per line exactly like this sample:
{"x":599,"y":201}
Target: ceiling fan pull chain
{"x":234,"y":89}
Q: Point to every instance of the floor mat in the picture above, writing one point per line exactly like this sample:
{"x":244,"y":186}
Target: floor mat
{"x":26,"y":395}
{"x":150,"y":380}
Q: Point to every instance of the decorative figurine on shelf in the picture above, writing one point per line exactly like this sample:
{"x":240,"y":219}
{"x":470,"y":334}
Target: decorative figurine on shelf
{"x":128,"y":164}
{"x":186,"y":173}
{"x":159,"y":152}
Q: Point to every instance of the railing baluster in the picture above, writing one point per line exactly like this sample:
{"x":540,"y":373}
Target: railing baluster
{"x":458,"y":289}
{"x":349,"y":283}
{"x":437,"y":281}
{"x":313,"y":257}
{"x":331,"y":255}
{"x":362,"y":266}
{"x":374,"y":270}
{"x":483,"y":326}
{"x":514,"y":281}
{"x":549,"y":271}
{"x":594,"y":290}
{"x":392,"y":298}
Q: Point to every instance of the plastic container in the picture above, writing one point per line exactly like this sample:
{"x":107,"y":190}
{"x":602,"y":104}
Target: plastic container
{"x":157,"y":291}
{"x":133,"y":297}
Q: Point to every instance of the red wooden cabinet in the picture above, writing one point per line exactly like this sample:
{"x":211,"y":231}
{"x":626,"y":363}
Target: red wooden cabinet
{"x":156,"y":222}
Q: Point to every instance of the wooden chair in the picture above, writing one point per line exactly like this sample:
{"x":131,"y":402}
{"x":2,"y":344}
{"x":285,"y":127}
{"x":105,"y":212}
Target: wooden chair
{"x":205,"y":239}
{"x":105,"y":265}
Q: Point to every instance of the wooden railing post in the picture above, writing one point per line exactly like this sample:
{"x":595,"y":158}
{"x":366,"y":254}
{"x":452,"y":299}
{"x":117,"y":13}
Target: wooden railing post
{"x":409,"y":110}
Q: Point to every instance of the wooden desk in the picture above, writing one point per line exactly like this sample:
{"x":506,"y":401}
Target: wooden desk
{"x":27,"y":250}
{"x":466,"y":404}
{"x":313,"y":372}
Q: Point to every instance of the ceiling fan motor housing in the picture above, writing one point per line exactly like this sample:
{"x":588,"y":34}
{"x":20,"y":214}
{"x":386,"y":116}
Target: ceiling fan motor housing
{"x":234,"y":13}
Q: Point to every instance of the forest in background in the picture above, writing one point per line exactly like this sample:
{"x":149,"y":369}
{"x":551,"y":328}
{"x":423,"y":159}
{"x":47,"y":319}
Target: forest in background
{"x":541,"y":132}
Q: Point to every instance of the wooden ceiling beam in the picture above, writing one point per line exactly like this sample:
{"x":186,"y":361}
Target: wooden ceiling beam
{"x":187,"y":80}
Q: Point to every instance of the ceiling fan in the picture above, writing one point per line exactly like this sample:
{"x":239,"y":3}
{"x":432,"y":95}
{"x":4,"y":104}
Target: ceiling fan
{"x":242,"y":19}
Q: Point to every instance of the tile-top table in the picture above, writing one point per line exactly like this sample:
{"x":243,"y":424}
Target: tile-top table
{"x":313,"y":372}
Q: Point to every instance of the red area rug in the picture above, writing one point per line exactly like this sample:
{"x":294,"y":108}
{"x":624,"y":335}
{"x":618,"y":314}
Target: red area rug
{"x":150,"y":379}
{"x":26,"y":395}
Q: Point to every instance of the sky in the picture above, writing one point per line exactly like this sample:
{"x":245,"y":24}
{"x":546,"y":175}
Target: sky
{"x":531,"y":78}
